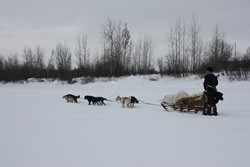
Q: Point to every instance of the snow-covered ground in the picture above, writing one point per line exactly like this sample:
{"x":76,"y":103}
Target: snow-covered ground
{"x":39,"y":129}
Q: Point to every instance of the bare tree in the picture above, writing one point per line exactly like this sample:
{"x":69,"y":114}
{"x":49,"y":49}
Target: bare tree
{"x":177,"y":58}
{"x":51,"y":61}
{"x":213,"y":49}
{"x":196,"y":45}
{"x":39,"y":66}
{"x":12,"y":69}
{"x":51,"y":66}
{"x":160,"y":63}
{"x":63,"y":61}
{"x":29,"y":63}
{"x":39,"y":58}
{"x":143,"y":55}
{"x":1,"y":62}
{"x":82,"y":52}
{"x":28,"y":57}
{"x":2,"y":71}
{"x":108,"y":39}
{"x":219,"y":51}
{"x":247,"y":54}
{"x":245,"y":64}
{"x":147,"y":53}
{"x":12,"y":61}
{"x":127,"y":46}
{"x":116,"y":48}
{"x":137,"y":58}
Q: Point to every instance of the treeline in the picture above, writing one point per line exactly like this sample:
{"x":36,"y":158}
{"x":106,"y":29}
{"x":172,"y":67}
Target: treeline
{"x":186,"y":53}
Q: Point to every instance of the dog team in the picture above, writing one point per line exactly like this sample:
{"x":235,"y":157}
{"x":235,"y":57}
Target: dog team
{"x":128,"y":101}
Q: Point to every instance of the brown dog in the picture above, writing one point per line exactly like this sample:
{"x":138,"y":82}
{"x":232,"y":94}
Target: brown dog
{"x":71,"y":98}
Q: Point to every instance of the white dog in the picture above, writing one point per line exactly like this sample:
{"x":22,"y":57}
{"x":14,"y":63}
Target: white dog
{"x":124,"y":100}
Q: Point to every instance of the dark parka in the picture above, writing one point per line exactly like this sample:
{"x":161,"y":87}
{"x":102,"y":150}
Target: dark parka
{"x":210,"y":84}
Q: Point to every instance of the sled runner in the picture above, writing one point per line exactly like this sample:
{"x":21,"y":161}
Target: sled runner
{"x":184,"y":102}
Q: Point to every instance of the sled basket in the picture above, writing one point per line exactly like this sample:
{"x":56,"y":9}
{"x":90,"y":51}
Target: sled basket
{"x":196,"y":102}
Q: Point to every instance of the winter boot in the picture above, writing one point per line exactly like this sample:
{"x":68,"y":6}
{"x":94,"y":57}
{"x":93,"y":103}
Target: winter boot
{"x":207,"y":110}
{"x":214,"y":110}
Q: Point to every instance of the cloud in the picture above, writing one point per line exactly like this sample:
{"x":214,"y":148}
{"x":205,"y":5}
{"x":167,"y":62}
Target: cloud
{"x":47,"y":22}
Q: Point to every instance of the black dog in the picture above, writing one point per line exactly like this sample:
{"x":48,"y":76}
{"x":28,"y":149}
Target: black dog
{"x":95,"y":100}
{"x":133,"y":100}
{"x":100,"y":100}
{"x":91,"y":99}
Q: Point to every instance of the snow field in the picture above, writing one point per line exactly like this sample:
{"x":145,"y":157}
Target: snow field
{"x":39,"y":129}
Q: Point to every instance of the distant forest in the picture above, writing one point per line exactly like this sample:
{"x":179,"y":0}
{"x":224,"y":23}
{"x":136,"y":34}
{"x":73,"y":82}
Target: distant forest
{"x":186,"y":54}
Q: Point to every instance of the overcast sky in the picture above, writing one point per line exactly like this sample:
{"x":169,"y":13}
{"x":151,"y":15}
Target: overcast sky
{"x":29,"y":23}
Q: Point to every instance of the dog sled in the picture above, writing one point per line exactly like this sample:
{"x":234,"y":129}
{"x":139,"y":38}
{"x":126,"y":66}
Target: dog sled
{"x":184,"y":103}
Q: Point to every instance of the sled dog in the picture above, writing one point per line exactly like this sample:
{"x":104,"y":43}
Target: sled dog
{"x":71,"y":98}
{"x":95,"y":100}
{"x":129,"y":101}
{"x":91,"y":99}
{"x":100,"y":100}
{"x":133,"y":101}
